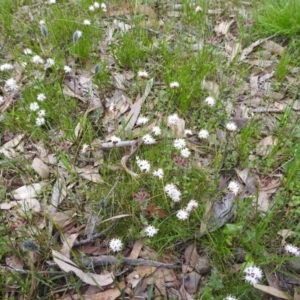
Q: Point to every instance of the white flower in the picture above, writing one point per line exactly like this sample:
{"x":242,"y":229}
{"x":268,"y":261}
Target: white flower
{"x":142,"y":74}
{"x":198,"y":9}
{"x":49,"y":63}
{"x":37,"y":60}
{"x":67,"y":69}
{"x":230,"y":298}
{"x":172,"y":119}
{"x":159,"y":173}
{"x":27,"y":51}
{"x":192,"y":205}
{"x":6,"y":67}
{"x":203,"y":134}
{"x":142,"y":120}
{"x":42,"y":22}
{"x":151,"y":231}
{"x":115,"y":139}
{"x":231,"y":126}
{"x":41,"y":113}
{"x":188,"y":132}
{"x":52,"y":1}
{"x":185,"y":152}
{"x":11,"y":84}
{"x":1,"y":100}
{"x":174,"y":85}
{"x":103,"y":7}
{"x":92,"y":8}
{"x":96,"y":4}
{"x":182,"y":214}
{"x":115,"y":245}
{"x":41,"y":97}
{"x":210,"y":101}
{"x":156,"y":130}
{"x":179,"y":143}
{"x":85,"y":148}
{"x":34,"y":106}
{"x":144,"y":165}
{"x":173,"y":192}
{"x":234,"y":187}
{"x":87,"y":22}
{"x":40,"y":121}
{"x":148,"y":139}
{"x":292,"y":249}
{"x":253,"y":275}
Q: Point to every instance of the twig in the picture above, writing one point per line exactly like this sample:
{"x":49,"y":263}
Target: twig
{"x":267,"y":110}
{"x":21,"y":271}
{"x":88,"y":240}
{"x":111,"y":260}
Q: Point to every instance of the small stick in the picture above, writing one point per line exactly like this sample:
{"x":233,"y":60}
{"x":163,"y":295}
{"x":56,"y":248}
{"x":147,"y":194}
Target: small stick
{"x":267,"y":110}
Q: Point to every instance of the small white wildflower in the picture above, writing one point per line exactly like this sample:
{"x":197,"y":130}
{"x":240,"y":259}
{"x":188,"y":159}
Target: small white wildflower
{"x":148,"y":139}
{"x":210,"y":101}
{"x":198,"y":9}
{"x":231,"y":126}
{"x":203,"y":134}
{"x":292,"y":249}
{"x":144,"y":165}
{"x":103,"y":7}
{"x":92,"y":8}
{"x":174,"y":85}
{"x":77,"y":35}
{"x":188,"y":132}
{"x":115,"y":139}
{"x":52,"y":1}
{"x":27,"y":51}
{"x":179,"y":143}
{"x":230,"y":298}
{"x":37,"y":60}
{"x":96,"y":4}
{"x":6,"y":67}
{"x":143,"y":74}
{"x":41,"y":97}
{"x":173,"y":119}
{"x":173,"y":192}
{"x":34,"y":106}
{"x":85,"y":148}
{"x":1,"y":100}
{"x":49,"y":63}
{"x":42,"y":22}
{"x":142,"y":120}
{"x":185,"y":152}
{"x":11,"y":84}
{"x":41,"y":113}
{"x":182,"y":214}
{"x":253,"y":275}
{"x":87,"y":22}
{"x":192,"y":205}
{"x":151,"y":231}
{"x":159,"y":173}
{"x":112,"y":107}
{"x":234,"y":187}
{"x":156,"y":130}
{"x":115,"y":245}
{"x":40,"y":121}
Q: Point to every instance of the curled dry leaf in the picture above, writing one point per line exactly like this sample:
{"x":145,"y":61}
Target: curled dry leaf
{"x":110,"y":294}
{"x":68,"y":244}
{"x":14,"y":262}
{"x":68,"y":265}
{"x":28,"y":191}
{"x":272,"y":291}
{"x":40,"y":167}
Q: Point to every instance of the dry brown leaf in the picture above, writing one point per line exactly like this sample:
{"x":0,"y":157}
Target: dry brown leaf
{"x":68,"y":244}
{"x":157,"y":278}
{"x":273,"y":47}
{"x":272,"y":291}
{"x":265,"y":146}
{"x":133,"y":279}
{"x":8,"y":148}
{"x":109,"y":294}
{"x":90,"y":173}
{"x":40,"y":167}
{"x":14,"y":262}
{"x":212,"y":87}
{"x":223,"y":27}
{"x":137,"y":247}
{"x":152,"y":210}
{"x":90,"y":278}
{"x":191,"y":282}
{"x":191,"y":256}
{"x":59,"y":192}
{"x":285,"y":233}
{"x":262,"y":201}
{"x":145,"y":271}
{"x":28,"y":191}
{"x":296,"y":294}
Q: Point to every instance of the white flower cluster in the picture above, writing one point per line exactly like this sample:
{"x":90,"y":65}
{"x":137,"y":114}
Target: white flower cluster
{"x":231,"y":126}
{"x":34,"y":106}
{"x":203,"y":134}
{"x":67,"y":69}
{"x":172,"y":191}
{"x":174,"y":85}
{"x":143,"y":74}
{"x":253,"y":275}
{"x":144,"y":165}
{"x":184,"y":213}
{"x":173,"y":119}
{"x":148,"y":139}
{"x":87,"y":22}
{"x":116,"y":245}
{"x":230,"y":298}
{"x":96,"y":5}
{"x":156,"y":130}
{"x":115,"y":139}
{"x":292,"y":249}
{"x":159,"y":173}
{"x":11,"y":85}
{"x":142,"y":120}
{"x":151,"y":231}
{"x":210,"y":101}
{"x":234,"y":187}
{"x":6,"y":67}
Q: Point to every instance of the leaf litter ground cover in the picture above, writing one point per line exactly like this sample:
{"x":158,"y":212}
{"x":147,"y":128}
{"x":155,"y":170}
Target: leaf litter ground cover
{"x":148,"y":150}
